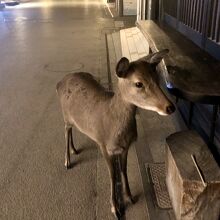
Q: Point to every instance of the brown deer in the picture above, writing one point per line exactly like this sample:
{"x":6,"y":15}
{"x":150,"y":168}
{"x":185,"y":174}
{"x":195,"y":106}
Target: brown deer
{"x":107,"y":117}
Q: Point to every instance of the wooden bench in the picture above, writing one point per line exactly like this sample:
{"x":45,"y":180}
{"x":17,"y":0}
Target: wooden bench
{"x":192,"y":176}
{"x":189,"y":72}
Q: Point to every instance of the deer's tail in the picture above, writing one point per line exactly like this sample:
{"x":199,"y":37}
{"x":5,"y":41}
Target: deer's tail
{"x":58,"y":86}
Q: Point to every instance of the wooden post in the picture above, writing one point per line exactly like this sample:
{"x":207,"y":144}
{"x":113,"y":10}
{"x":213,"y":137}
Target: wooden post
{"x":193,"y":177}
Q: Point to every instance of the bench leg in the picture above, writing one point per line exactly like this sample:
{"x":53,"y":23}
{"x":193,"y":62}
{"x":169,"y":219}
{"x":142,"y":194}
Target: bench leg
{"x":213,"y":125}
{"x":177,"y":99}
{"x":191,"y":108}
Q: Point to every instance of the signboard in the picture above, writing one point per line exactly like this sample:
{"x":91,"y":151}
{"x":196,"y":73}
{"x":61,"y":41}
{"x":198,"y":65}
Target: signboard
{"x":129,"y":7}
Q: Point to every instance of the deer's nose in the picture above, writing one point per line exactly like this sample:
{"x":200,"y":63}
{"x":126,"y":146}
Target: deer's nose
{"x":170,"y":109}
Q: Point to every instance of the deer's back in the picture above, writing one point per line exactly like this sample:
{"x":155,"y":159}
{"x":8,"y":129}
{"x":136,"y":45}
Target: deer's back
{"x":79,"y":83}
{"x":82,"y":99}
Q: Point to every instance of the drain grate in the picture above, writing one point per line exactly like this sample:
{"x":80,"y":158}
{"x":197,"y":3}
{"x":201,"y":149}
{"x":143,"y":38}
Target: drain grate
{"x":157,"y":173}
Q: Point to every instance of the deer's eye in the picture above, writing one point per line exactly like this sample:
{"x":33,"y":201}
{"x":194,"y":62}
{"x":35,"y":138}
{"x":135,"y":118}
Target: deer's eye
{"x":139,"y":84}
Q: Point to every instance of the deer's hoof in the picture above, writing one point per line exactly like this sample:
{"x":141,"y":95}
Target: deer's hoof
{"x":116,"y":212}
{"x":74,"y":151}
{"x":67,"y":165}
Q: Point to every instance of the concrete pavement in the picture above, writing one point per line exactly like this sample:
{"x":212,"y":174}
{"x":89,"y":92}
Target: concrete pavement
{"x":40,"y":42}
{"x":38,"y":46}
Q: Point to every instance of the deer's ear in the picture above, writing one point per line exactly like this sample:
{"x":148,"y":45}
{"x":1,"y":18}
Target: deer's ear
{"x":158,"y":56}
{"x":122,"y":67}
{"x":155,"y":58}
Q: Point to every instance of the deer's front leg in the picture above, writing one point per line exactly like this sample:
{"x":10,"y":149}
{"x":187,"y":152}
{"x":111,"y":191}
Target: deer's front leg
{"x":72,"y":147}
{"x":112,"y":173}
{"x":126,"y":188}
{"x":115,"y":206}
{"x":67,"y":152}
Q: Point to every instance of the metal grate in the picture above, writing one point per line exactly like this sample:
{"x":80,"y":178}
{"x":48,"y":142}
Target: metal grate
{"x":199,"y":20}
{"x":157,"y":173}
{"x":192,"y":13}
{"x":214,"y":21}
{"x":170,"y":7}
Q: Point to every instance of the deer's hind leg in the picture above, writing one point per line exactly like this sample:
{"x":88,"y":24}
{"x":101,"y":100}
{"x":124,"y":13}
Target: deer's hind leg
{"x":69,"y":145}
{"x":67,"y":152}
{"x":72,"y":147}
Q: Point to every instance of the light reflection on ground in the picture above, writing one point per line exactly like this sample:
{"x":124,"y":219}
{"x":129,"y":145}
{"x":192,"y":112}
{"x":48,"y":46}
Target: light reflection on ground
{"x":49,"y":3}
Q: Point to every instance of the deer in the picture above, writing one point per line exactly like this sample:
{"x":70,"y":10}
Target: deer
{"x":108,"y":117}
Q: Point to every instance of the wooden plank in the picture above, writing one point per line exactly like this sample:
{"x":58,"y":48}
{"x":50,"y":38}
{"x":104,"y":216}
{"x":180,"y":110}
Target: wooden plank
{"x":128,"y":32}
{"x":193,"y":177}
{"x":124,"y":45}
{"x":134,"y":30}
{"x":144,"y":42}
{"x":134,"y":56}
{"x":131,"y":45}
{"x":139,"y":45}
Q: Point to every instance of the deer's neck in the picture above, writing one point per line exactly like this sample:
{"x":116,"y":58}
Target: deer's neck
{"x":124,"y":108}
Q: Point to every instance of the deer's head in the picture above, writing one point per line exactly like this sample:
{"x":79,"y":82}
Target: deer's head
{"x":138,"y":84}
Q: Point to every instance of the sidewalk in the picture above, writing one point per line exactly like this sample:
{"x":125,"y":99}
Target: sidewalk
{"x":152,"y":128}
{"x":37,"y":50}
